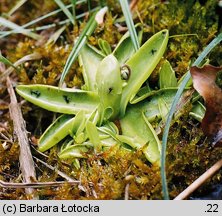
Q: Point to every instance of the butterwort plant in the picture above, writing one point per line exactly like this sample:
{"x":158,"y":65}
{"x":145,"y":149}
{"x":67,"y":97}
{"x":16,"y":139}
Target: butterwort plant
{"x":113,"y":91}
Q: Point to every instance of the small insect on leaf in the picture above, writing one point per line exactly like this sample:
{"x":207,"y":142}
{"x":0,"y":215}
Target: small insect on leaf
{"x":206,"y":82}
{"x":125,"y":72}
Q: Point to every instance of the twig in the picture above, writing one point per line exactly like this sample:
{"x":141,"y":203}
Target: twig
{"x":6,"y":174}
{"x":93,"y":192}
{"x":127,"y":192}
{"x":62,"y":174}
{"x":133,"y":4}
{"x":36,"y":184}
{"x":25,"y":158}
{"x":197,"y":183}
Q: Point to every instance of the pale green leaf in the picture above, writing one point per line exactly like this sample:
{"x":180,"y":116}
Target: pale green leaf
{"x":167,"y":76}
{"x":140,"y":133}
{"x":109,"y":86}
{"x":124,"y":49}
{"x":163,"y":108}
{"x":198,"y":111}
{"x":58,"y":130}
{"x":74,"y":151}
{"x":90,"y":59}
{"x":69,"y":101}
{"x":93,"y":135}
{"x":142,"y":64}
{"x":152,"y":108}
{"x":104,"y":46}
{"x":181,"y":80}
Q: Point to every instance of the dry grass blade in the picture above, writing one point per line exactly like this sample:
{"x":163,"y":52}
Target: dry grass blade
{"x":52,"y":40}
{"x":203,"y":178}
{"x":30,"y":57}
{"x":35,"y":21}
{"x":36,"y":184}
{"x":130,"y":24}
{"x":65,"y":10}
{"x":74,"y":2}
{"x":89,"y":28}
{"x":95,"y":19}
{"x":25,"y":158}
{"x":18,"y":28}
{"x":133,"y":4}
{"x":16,"y":7}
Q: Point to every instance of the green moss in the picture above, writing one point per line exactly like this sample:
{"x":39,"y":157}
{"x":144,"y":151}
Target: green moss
{"x":181,"y":18}
{"x":107,"y":175}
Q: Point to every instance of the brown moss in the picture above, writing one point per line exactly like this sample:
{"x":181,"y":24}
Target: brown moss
{"x":189,"y":156}
{"x":107,"y":175}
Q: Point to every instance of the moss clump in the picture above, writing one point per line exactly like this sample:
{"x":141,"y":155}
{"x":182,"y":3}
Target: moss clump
{"x":116,"y":172}
{"x":107,"y":175}
{"x":189,"y":155}
{"x":105,"y":31}
{"x":181,"y":18}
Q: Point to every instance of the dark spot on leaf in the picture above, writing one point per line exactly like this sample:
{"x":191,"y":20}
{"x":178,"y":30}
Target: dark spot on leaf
{"x":161,"y":93}
{"x":66,"y":99}
{"x":36,"y":93}
{"x":110,"y":89}
{"x":148,"y":99}
{"x":153,"y":51}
